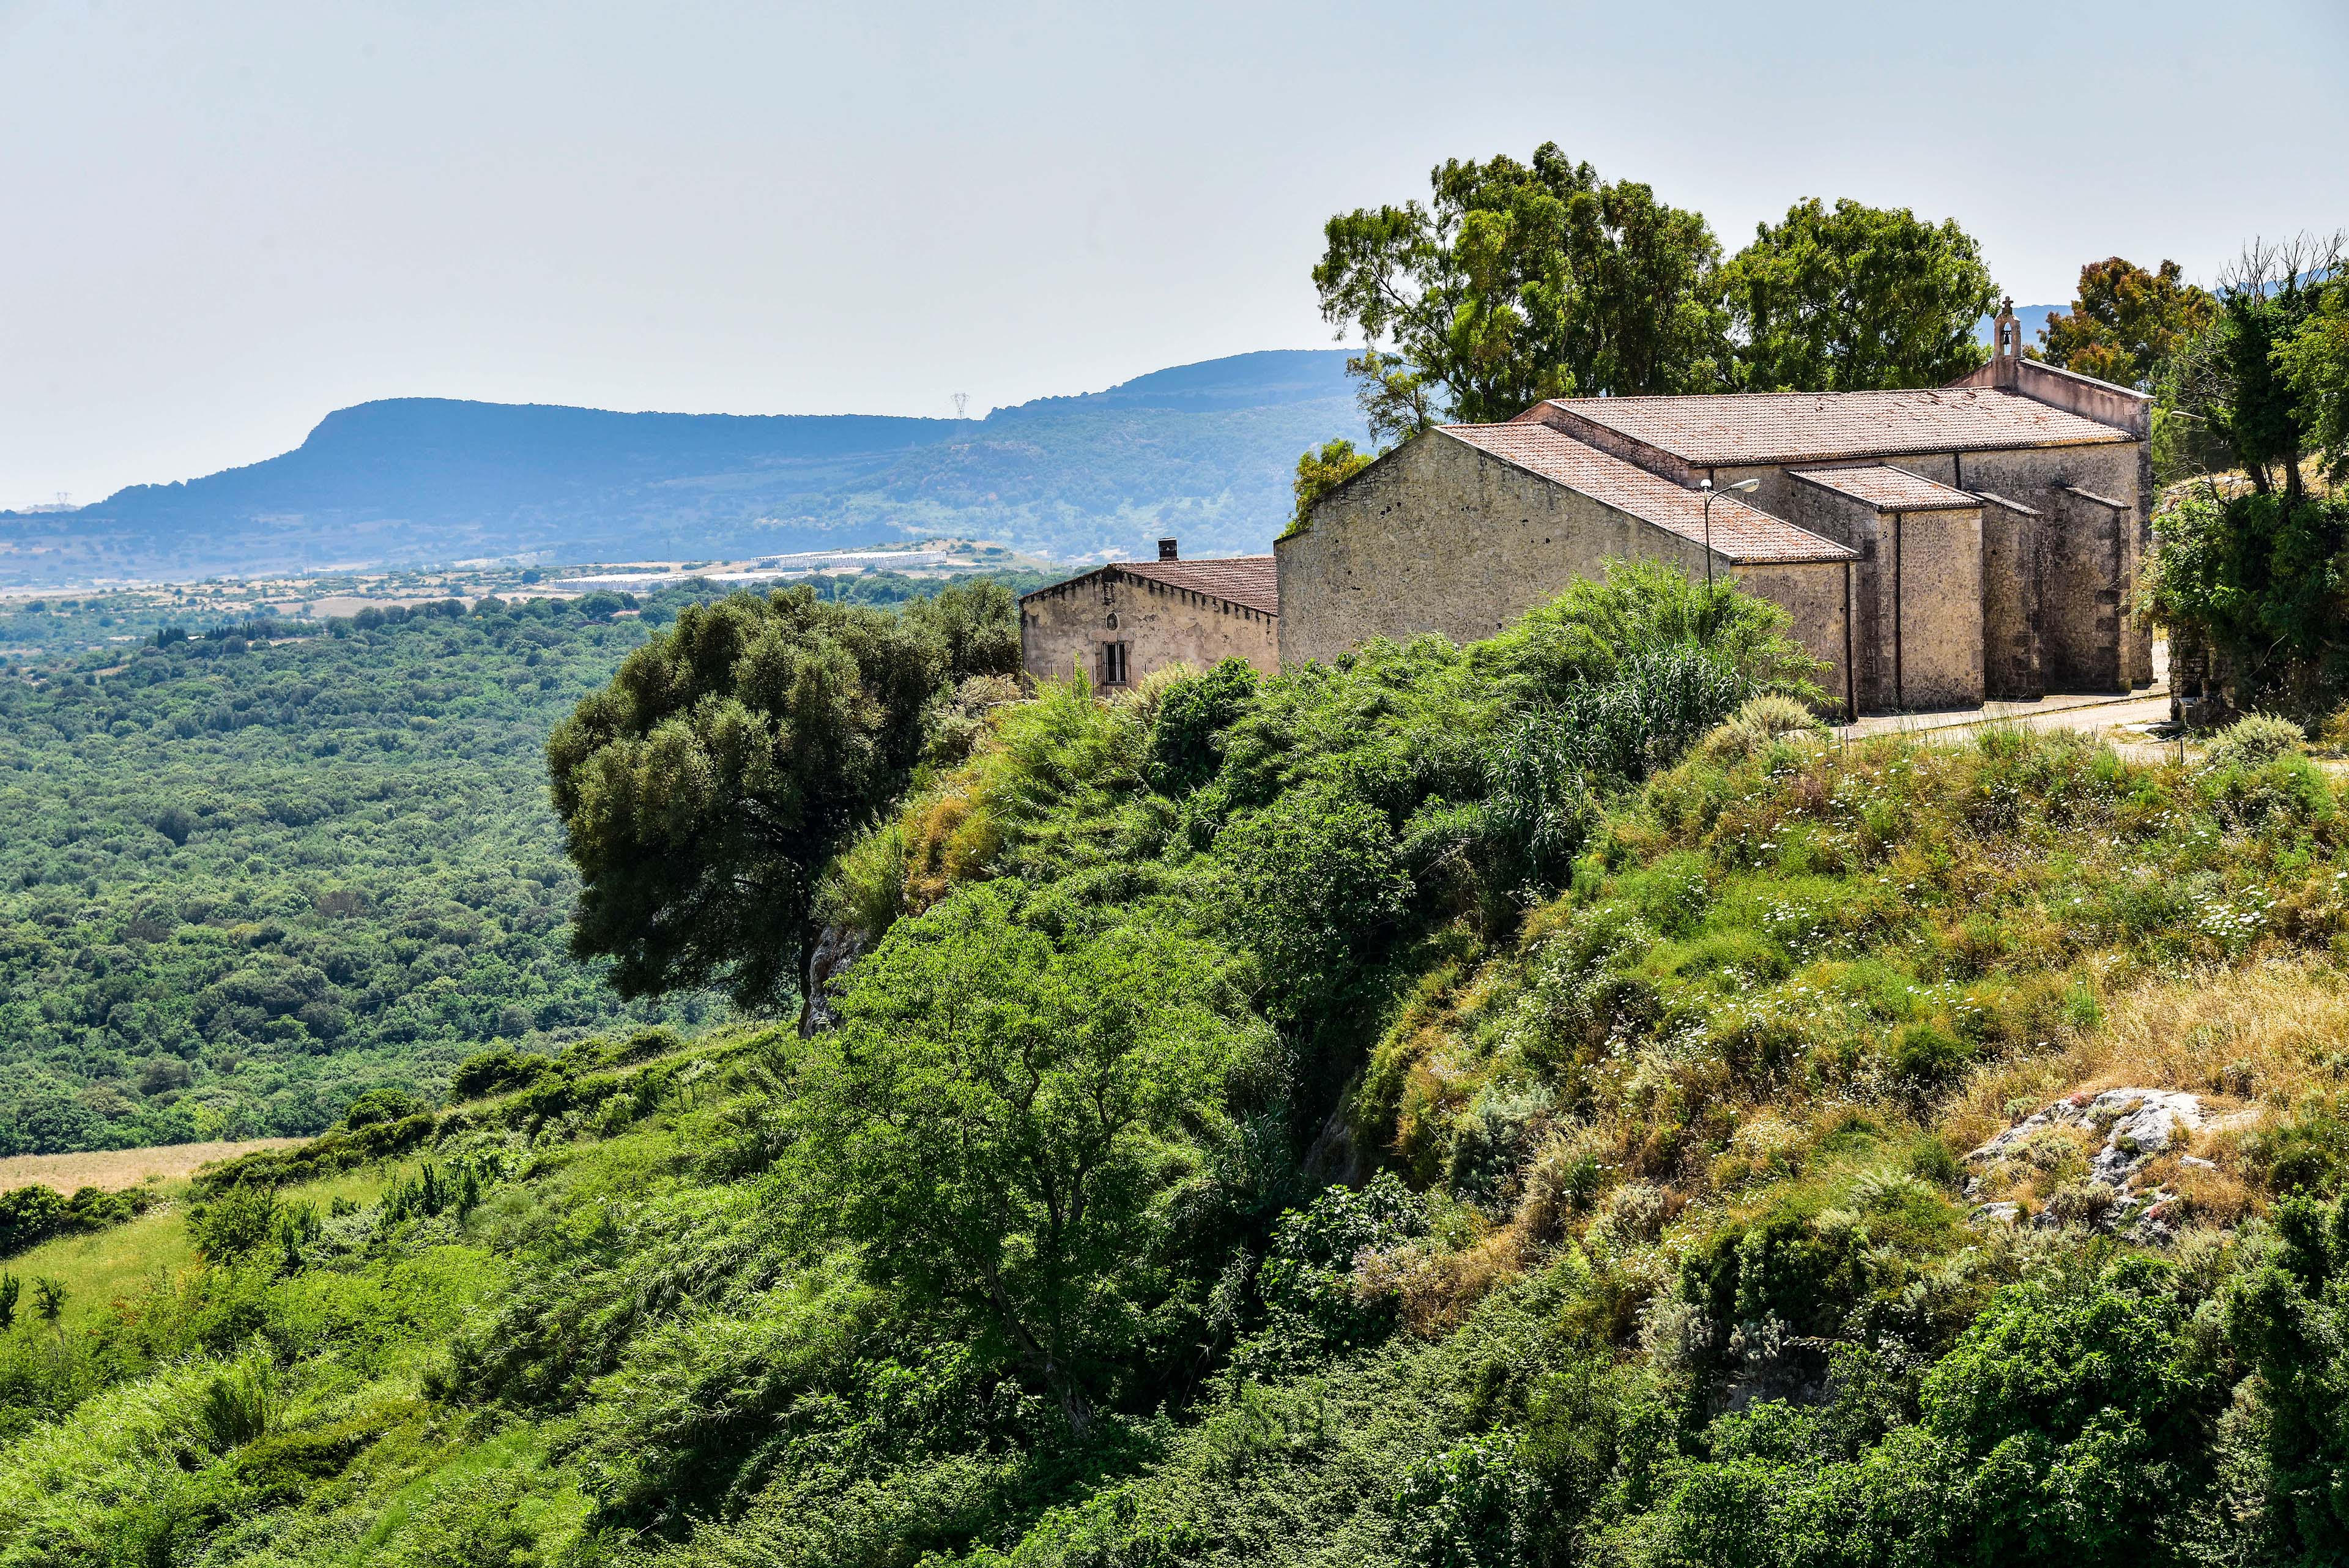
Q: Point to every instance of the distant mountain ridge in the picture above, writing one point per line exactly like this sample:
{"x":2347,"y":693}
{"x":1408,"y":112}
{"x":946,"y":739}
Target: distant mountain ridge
{"x":1206,"y":451}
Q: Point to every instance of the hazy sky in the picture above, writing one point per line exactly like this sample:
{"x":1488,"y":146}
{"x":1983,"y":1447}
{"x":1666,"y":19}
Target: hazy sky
{"x":224,"y":219}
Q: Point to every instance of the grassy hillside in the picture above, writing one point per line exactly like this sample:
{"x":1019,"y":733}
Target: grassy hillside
{"x":1518,"y":1120}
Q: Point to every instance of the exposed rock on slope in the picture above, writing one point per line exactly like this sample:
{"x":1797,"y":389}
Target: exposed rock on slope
{"x":2130,"y":1128}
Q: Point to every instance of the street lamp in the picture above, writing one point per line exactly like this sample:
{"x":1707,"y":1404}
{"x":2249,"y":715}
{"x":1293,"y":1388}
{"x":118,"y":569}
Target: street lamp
{"x":1742,"y":487}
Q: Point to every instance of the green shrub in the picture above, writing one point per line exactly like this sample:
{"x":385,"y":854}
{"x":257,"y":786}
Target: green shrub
{"x":1306,"y":1283}
{"x":1639,"y":609}
{"x":2257,"y":575}
{"x":2304,"y":1151}
{"x":865,"y":887}
{"x":2286,"y":1317}
{"x":240,"y":1405}
{"x":1757,"y":723}
{"x":1186,"y":738}
{"x":382,"y":1105}
{"x":495,"y":1071}
{"x":29,"y":1216}
{"x":1470,"y":1506}
{"x":238,"y":1224}
{"x":1926,"y":1056}
{"x":1317,"y":887}
{"x":2254,"y":741}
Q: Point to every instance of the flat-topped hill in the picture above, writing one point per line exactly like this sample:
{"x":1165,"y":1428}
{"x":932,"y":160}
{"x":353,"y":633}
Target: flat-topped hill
{"x":1205,"y":451}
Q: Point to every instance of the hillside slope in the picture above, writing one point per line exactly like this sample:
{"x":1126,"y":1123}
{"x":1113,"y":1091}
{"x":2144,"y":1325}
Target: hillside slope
{"x":1202,"y":451}
{"x":1683,"y":1274}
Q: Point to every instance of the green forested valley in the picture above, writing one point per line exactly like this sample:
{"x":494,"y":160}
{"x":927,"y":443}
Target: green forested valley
{"x":248,"y":876}
{"x":1538,"y":1103}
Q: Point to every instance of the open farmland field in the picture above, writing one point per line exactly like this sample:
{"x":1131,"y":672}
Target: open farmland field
{"x":113,"y":1169}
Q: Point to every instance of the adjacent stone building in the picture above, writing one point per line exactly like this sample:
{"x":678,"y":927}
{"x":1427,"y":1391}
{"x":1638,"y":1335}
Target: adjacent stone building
{"x":1119,"y":622}
{"x":1934,"y":547}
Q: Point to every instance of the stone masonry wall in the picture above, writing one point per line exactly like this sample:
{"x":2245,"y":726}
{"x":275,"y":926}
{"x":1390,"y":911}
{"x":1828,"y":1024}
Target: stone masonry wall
{"x":1936,"y":659}
{"x":1813,"y":593}
{"x":2012,"y":670}
{"x":1935,"y":576}
{"x":1064,"y":626}
{"x":1850,"y":522}
{"x":1439,"y":536}
{"x":2087,"y":560}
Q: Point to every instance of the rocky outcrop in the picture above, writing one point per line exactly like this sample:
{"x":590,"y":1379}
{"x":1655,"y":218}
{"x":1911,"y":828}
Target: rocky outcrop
{"x":2135,"y":1127}
{"x":837,"y":949}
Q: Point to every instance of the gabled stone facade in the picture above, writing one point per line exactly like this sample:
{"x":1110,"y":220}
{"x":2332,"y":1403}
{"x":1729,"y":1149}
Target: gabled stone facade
{"x":1118,"y":623}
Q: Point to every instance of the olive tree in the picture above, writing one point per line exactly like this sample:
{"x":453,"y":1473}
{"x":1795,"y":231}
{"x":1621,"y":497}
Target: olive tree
{"x":705,"y":791}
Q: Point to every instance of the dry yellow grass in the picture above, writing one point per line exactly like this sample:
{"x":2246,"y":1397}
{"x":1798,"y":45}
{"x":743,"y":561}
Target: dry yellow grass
{"x":2264,"y":1033}
{"x":1435,"y":1288}
{"x":2249,"y":1040}
{"x":113,"y":1169}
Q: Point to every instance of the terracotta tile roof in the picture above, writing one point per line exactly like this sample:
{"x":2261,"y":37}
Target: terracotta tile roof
{"x":1739,"y":532}
{"x":1248,"y":581}
{"x":1887,"y":489}
{"x":1790,"y":427}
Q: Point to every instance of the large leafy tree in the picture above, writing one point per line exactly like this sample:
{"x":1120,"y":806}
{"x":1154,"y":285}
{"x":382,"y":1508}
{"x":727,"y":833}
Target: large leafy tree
{"x":705,"y":791}
{"x":2245,"y":378}
{"x":1855,"y":298}
{"x":1004,"y":1114}
{"x":2126,"y":322}
{"x":2316,"y":362}
{"x":1518,"y":282}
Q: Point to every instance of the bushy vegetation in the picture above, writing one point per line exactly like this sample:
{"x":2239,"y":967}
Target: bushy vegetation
{"x":1509,"y":1104}
{"x":2249,"y":572}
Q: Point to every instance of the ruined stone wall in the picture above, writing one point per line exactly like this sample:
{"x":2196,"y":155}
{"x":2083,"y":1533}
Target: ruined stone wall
{"x":1065,"y":626}
{"x":1439,"y":536}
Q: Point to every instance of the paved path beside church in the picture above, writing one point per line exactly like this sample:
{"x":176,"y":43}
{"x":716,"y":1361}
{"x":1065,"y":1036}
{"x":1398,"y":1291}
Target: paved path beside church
{"x":2136,"y":716}
{"x":2150,"y":706}
{"x":2137,"y":713}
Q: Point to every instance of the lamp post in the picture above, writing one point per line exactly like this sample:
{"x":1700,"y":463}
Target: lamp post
{"x":1742,"y":487}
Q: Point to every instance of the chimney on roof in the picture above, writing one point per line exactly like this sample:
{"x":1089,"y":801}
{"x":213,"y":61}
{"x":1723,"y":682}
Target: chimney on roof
{"x":1167,"y":550}
{"x":2006,"y":347}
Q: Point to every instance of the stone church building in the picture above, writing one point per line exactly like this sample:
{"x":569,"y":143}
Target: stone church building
{"x":1934,"y":547}
{"x":1119,"y":622}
